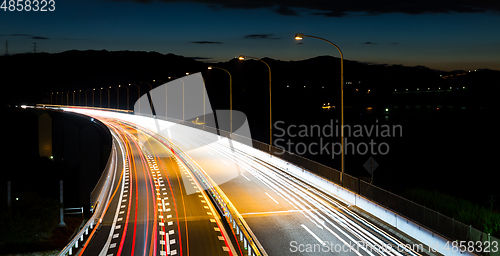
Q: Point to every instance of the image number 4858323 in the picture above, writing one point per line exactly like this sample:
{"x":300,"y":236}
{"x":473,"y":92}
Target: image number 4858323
{"x":28,"y":5}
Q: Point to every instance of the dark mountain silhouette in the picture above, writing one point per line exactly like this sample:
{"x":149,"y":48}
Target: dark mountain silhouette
{"x":30,"y":78}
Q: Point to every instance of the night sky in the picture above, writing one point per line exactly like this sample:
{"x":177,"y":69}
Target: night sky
{"x":444,"y":35}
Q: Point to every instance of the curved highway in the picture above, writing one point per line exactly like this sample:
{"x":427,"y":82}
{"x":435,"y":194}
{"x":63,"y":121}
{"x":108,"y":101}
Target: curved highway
{"x":285,"y":214}
{"x":156,"y":207}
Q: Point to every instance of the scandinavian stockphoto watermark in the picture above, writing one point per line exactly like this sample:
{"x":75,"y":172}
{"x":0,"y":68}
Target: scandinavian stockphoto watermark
{"x":329,"y":138}
{"x":358,"y":246}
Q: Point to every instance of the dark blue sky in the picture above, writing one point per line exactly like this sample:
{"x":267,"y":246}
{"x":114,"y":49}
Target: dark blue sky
{"x":441,"y":34}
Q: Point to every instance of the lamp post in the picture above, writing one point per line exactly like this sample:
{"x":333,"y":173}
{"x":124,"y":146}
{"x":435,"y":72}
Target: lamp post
{"x":93,"y":104}
{"x":230,"y":99}
{"x":100,"y":98}
{"x":85,"y":96}
{"x":117,"y":97}
{"x":108,"y":94}
{"x":166,"y":105}
{"x":138,"y":96}
{"x":151,"y":102}
{"x":242,"y":57}
{"x":170,"y":77}
{"x":128,"y":95}
{"x":300,"y":36}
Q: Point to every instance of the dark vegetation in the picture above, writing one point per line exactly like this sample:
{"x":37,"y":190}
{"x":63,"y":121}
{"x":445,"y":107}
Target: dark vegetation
{"x":480,"y":217}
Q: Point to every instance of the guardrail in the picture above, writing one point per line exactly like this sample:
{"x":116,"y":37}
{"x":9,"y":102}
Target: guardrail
{"x":101,"y":190}
{"x":235,"y":221}
{"x":94,"y":108}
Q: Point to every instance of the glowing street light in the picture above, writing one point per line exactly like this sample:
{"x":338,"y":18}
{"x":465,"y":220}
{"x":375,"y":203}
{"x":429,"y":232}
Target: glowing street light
{"x":138,"y":96}
{"x":117,"y":97}
{"x":300,"y":36}
{"x":230,"y":99}
{"x":243,"y":57}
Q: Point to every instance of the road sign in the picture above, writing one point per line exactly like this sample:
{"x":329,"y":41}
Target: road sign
{"x":370,"y":165}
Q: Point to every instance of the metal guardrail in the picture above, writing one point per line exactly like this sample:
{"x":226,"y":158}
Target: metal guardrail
{"x":102,"y":188}
{"x":93,"y":108}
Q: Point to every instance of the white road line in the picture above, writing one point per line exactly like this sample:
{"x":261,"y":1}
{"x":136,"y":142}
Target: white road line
{"x":108,"y":244}
{"x":312,"y":234}
{"x":272,"y":198}
{"x":245,"y":177}
{"x":225,"y":162}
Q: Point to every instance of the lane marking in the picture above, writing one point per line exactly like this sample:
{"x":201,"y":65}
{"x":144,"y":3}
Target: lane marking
{"x":312,"y":234}
{"x":272,"y":198}
{"x":245,"y":177}
{"x":225,"y":162}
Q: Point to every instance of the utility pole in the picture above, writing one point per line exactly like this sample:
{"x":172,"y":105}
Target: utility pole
{"x":34,"y":48}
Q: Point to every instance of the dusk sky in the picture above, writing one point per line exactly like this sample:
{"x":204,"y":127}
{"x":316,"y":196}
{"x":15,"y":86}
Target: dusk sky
{"x":445,"y":35}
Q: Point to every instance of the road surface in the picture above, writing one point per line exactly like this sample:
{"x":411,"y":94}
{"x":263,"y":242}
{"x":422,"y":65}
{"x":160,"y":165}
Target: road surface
{"x":155,"y":207}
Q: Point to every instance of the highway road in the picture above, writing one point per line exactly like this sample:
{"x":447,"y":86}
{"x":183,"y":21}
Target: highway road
{"x":287,"y":215}
{"x":156,"y":207}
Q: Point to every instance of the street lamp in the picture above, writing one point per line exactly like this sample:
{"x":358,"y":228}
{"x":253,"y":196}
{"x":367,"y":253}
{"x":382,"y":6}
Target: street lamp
{"x":230,"y":99}
{"x":108,"y":95}
{"x":151,"y":102}
{"x":138,"y":96}
{"x":93,"y":104}
{"x":243,"y":57}
{"x":117,"y":97}
{"x":300,"y":36}
{"x":128,"y":95}
{"x":100,"y":97}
